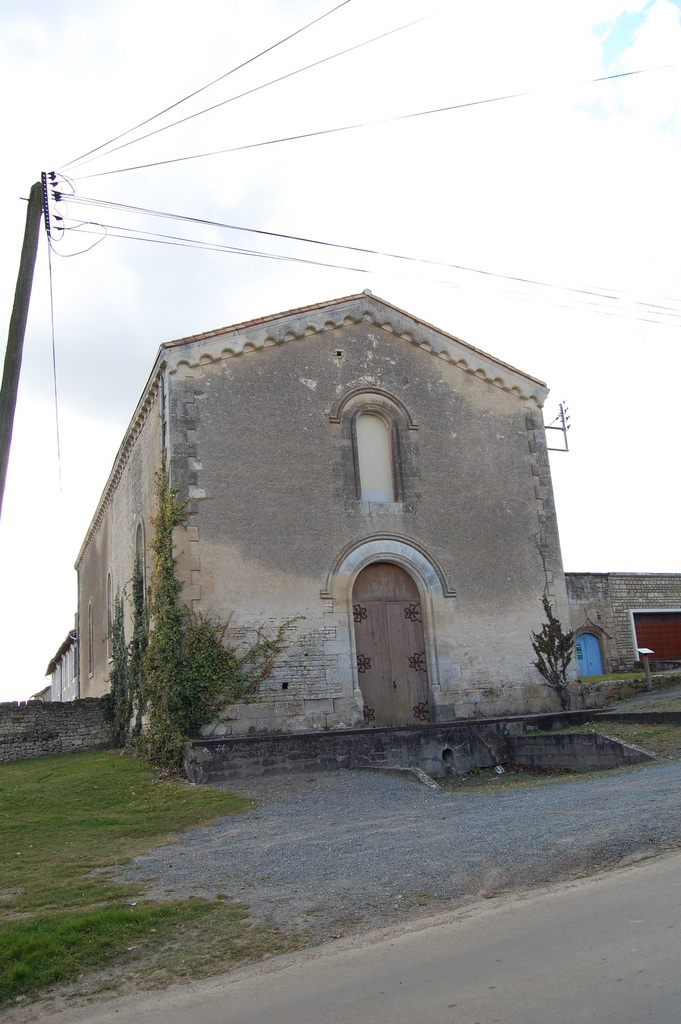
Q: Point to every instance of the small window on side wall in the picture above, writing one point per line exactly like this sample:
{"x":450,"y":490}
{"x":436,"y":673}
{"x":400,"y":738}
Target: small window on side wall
{"x":109,"y":614}
{"x":374,"y":455}
{"x":139,"y":558}
{"x":90,"y":640}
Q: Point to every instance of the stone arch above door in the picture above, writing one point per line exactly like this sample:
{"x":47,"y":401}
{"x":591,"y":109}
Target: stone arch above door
{"x":438,"y":612}
{"x":391,"y":548}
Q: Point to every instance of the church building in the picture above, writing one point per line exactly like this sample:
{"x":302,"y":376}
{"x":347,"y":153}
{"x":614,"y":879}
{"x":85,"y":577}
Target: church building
{"x":378,"y":482}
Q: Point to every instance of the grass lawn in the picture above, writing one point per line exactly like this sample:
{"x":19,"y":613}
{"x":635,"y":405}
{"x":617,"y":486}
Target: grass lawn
{"x":663,"y":740}
{"x":613,"y":677}
{"x":66,"y":822}
{"x":514,"y":777}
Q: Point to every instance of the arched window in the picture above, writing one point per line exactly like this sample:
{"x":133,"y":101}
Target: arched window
{"x":139,"y":557}
{"x":374,"y":455}
{"x":90,"y":641}
{"x":377,"y":462}
{"x":109,"y":613}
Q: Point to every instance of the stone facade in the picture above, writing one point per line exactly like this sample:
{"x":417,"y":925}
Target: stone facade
{"x":260,"y":424}
{"x":118,"y":530}
{"x":604,"y":605}
{"x":37,"y":728}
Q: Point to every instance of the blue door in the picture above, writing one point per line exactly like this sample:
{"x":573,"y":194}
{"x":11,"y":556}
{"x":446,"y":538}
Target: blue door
{"x":589,"y":655}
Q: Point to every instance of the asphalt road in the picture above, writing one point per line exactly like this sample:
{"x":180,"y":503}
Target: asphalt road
{"x":604,"y":949}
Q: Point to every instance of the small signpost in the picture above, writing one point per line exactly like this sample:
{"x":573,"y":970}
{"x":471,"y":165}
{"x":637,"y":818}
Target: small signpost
{"x":645,"y":653}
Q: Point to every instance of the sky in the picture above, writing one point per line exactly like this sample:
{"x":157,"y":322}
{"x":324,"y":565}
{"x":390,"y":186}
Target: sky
{"x":543,"y":227}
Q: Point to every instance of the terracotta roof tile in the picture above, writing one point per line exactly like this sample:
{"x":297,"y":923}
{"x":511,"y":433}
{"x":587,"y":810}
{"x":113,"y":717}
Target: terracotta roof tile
{"x":234,"y":328}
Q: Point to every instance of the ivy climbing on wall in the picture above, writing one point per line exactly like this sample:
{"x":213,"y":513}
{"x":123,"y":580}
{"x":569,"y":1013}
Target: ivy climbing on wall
{"x":137,"y":647}
{"x":118,"y":712}
{"x":178,"y":669}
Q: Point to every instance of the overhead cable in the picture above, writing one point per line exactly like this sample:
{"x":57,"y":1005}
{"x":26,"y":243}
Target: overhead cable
{"x":597,"y":301}
{"x":249,"y":92}
{"x":661,"y":319}
{"x":611,"y":294}
{"x":363,"y":124}
{"x":203,"y":88}
{"x":133,"y":235}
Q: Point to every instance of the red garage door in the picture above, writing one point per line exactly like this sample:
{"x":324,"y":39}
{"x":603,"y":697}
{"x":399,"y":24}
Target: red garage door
{"x":661,"y":632}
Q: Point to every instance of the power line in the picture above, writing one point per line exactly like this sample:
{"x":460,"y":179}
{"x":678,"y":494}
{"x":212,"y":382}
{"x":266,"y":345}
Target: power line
{"x":133,"y":235}
{"x":598,"y":302}
{"x":249,"y":92}
{"x":363,"y":124}
{"x":607,"y":294}
{"x":203,"y":88}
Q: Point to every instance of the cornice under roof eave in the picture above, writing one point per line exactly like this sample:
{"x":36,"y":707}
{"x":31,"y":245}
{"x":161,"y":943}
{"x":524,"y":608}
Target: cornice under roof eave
{"x":213,"y":346}
{"x":136,"y":423}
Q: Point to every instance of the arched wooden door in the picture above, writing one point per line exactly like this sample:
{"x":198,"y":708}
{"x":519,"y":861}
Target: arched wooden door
{"x":391,"y":655}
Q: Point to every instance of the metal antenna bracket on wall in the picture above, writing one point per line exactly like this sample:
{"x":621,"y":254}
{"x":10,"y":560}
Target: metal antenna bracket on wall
{"x":561,"y":424}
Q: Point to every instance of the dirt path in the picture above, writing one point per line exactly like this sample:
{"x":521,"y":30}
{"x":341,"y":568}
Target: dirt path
{"x":346,"y":850}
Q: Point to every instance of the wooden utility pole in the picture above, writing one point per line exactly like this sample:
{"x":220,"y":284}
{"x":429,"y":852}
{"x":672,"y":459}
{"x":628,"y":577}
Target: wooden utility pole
{"x":17,"y":329}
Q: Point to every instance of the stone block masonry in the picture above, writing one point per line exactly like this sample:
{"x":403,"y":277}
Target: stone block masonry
{"x":36,"y":729}
{"x":604,"y":603}
{"x":438,"y":750}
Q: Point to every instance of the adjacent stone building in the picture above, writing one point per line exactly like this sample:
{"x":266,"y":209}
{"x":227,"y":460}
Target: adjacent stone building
{"x":63,"y":671}
{"x":615,"y":613}
{"x":349,"y":467}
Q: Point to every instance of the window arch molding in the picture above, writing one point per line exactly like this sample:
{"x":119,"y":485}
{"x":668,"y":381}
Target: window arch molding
{"x":398,"y":421}
{"x":377,"y":394}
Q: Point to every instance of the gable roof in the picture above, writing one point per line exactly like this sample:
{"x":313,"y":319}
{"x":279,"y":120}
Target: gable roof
{"x":187,"y":354}
{"x":279,"y":328}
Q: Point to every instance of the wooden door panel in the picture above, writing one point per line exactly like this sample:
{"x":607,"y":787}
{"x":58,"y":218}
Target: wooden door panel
{"x":385,"y":581}
{"x":373,"y":660}
{"x":408,"y":657}
{"x":391,"y":661}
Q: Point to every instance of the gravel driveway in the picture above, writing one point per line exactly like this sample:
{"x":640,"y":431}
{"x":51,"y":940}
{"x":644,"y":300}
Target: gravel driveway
{"x":346,"y":850}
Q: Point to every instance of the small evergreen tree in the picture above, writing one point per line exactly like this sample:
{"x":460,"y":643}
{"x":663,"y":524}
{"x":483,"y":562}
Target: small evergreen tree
{"x":554,"y":650}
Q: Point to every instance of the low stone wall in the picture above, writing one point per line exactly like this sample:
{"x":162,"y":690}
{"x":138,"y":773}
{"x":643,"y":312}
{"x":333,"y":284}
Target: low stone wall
{"x":599,"y":695}
{"x":436,"y":749}
{"x":35,"y":728}
{"x":579,"y":751}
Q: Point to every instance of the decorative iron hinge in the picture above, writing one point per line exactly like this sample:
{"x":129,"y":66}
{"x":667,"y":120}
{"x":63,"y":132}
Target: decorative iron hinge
{"x":421,"y":712}
{"x":417,"y":662}
{"x":413,"y":612}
